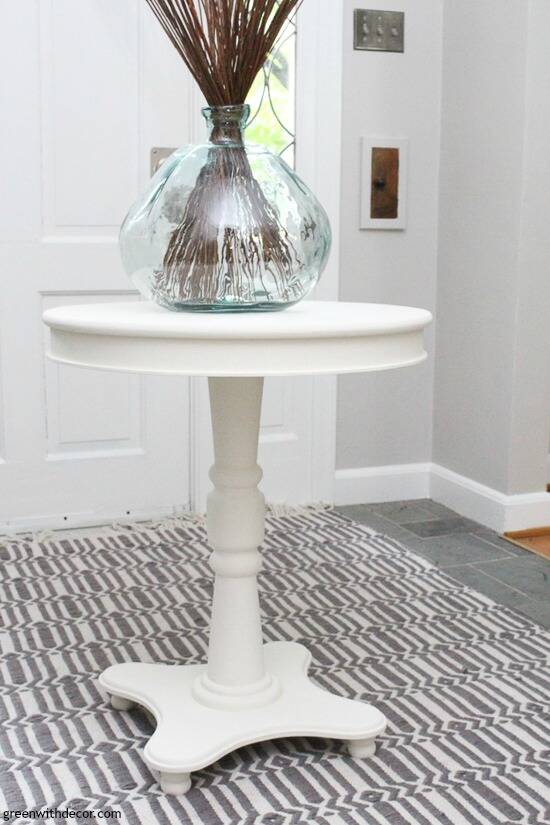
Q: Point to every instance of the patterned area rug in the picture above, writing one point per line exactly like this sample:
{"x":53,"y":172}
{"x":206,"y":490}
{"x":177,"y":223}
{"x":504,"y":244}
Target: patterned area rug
{"x":464,"y":683}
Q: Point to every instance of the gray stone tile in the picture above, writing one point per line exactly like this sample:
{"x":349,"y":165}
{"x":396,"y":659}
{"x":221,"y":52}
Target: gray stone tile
{"x":492,"y":588}
{"x":537,"y":610}
{"x":402,"y":512}
{"x":531,"y":577}
{"x":440,"y":527}
{"x":456,"y":548}
{"x":469,"y":552}
{"x":358,"y":512}
{"x":364,"y":515}
{"x":435,"y":509}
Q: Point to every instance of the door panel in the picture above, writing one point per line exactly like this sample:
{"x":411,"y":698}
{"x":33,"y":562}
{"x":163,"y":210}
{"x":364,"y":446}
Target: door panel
{"x":91,"y":114}
{"x":80,"y":446}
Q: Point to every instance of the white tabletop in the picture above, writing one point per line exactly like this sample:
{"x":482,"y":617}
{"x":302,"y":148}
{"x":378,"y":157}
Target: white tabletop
{"x":310,"y":338}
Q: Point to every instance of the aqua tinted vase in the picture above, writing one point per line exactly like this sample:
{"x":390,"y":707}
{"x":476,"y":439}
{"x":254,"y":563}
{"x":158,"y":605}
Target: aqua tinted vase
{"x":226,"y":226}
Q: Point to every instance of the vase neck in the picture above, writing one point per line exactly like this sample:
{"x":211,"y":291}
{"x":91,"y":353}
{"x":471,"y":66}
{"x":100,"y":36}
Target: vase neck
{"x":226,"y":124}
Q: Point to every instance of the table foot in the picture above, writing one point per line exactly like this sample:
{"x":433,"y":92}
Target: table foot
{"x":191,"y":735}
{"x":119,"y":703}
{"x":362,"y":748}
{"x":175,"y":784}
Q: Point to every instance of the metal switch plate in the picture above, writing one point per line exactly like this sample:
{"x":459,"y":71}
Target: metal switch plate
{"x":158,"y":155}
{"x":379,"y":31}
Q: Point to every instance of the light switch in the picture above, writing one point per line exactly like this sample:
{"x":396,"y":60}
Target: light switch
{"x":379,"y":31}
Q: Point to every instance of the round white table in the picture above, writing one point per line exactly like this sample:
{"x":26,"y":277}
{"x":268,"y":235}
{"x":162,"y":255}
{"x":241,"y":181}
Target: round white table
{"x":248,"y":691}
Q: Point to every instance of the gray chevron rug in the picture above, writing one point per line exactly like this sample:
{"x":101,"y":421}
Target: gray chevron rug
{"x":464,"y":683}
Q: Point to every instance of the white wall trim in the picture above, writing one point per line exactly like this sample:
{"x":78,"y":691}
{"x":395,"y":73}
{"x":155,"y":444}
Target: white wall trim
{"x":492,"y":508}
{"x":318,"y":160}
{"x":489,"y":507}
{"x":377,"y":484}
{"x":98,"y":518}
{"x":361,"y":485}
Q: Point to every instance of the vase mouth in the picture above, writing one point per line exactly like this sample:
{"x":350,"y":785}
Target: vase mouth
{"x":226,"y":124}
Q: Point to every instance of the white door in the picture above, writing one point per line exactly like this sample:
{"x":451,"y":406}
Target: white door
{"x":86,"y":88}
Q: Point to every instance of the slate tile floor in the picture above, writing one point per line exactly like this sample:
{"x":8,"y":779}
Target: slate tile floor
{"x":473,"y":554}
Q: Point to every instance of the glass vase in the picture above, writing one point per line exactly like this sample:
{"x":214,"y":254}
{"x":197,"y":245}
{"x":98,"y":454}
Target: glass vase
{"x":225,"y":226}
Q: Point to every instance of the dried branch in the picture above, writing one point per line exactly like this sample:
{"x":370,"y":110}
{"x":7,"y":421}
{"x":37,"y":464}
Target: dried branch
{"x":224,"y":43}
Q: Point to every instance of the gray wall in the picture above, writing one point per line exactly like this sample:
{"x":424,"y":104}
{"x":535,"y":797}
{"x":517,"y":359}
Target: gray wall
{"x":530,"y":428}
{"x":472,"y":93}
{"x":387,"y":418}
{"x":492,"y":391}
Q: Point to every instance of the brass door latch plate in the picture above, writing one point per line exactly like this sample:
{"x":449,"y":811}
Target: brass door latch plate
{"x":385,"y":183}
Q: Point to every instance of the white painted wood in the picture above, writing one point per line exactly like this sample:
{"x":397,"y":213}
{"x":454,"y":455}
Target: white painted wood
{"x":485,"y":505}
{"x":79,"y":88}
{"x":301,"y":709}
{"x":175,"y":783}
{"x":490,"y":507}
{"x":312,"y":338}
{"x":236,"y":676}
{"x":286,"y":441}
{"x":319,"y":119}
{"x":247,"y":692}
{"x":362,"y":748}
{"x":319,"y":160}
{"x":118,"y":703}
{"x":92,"y":180}
{"x":363,"y":485}
{"x":326,"y":321}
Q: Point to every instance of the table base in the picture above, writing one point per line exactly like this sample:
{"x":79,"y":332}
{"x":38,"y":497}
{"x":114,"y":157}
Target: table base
{"x":191,"y":735}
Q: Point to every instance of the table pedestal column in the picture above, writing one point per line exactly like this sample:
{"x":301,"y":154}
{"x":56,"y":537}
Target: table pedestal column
{"x":248,"y":692}
{"x":236,"y":675}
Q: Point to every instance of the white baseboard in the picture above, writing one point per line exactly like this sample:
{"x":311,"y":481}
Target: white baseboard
{"x":362,"y":485}
{"x":71,"y":521}
{"x":378,"y":484}
{"x":492,"y":508}
{"x":489,"y":507}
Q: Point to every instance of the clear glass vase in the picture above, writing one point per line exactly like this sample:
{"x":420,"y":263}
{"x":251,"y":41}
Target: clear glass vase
{"x":225,"y":226}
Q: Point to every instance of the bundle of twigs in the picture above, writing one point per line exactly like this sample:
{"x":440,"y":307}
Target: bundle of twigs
{"x":225,"y":43}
